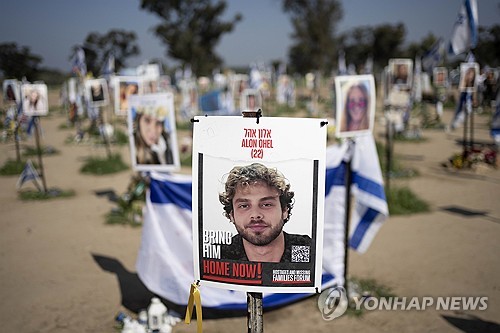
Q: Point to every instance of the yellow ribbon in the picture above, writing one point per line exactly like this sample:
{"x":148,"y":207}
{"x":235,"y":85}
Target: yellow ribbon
{"x":194,"y":297}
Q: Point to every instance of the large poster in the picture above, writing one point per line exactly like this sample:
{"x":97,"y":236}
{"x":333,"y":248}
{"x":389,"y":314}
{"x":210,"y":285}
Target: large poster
{"x":152,"y":132}
{"x":258,"y":202}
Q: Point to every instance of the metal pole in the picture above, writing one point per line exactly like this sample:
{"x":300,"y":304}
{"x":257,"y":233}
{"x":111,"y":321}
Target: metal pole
{"x":347,"y":215}
{"x":39,"y":152}
{"x":388,"y":153}
{"x":255,"y":318}
{"x":471,"y":131}
{"x":103,"y":132}
{"x":466,"y":124}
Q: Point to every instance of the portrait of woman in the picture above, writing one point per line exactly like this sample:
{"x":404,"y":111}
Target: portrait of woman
{"x":152,"y":141}
{"x":124,"y":87}
{"x":468,"y":75}
{"x":35,"y":99}
{"x":97,"y":92}
{"x":11,"y":91}
{"x":355,"y":104}
{"x":152,"y":133}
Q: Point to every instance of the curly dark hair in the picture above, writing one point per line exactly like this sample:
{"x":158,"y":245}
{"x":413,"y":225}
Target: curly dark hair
{"x":249,"y":175}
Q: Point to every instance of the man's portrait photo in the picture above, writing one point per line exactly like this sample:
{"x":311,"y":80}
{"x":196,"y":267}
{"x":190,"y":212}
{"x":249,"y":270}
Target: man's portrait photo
{"x":251,"y":100}
{"x":401,"y":72}
{"x":258,"y":201}
{"x":440,"y":76}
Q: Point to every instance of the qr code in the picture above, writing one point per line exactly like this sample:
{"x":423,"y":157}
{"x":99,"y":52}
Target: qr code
{"x":300,"y":253}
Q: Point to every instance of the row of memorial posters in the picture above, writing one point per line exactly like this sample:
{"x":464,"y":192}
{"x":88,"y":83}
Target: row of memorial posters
{"x":33,"y":97}
{"x":152,"y":128}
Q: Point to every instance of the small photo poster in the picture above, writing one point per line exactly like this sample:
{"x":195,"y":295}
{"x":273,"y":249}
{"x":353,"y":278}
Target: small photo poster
{"x":11,"y":91}
{"x":469,"y":73}
{"x":355,"y":111}
{"x":440,"y":76}
{"x":258,"y":206}
{"x":124,"y":87}
{"x":35,"y":99}
{"x":97,"y":92}
{"x":401,"y":72}
{"x":251,"y":100}
{"x":152,"y":132}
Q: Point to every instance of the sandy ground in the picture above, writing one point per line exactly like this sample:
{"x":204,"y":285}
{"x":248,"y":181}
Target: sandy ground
{"x":62,"y":269}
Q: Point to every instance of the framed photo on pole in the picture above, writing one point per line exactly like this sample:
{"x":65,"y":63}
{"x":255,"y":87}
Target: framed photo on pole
{"x":355,"y":111}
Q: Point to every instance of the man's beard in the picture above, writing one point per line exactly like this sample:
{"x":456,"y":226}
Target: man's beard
{"x":259,"y":238}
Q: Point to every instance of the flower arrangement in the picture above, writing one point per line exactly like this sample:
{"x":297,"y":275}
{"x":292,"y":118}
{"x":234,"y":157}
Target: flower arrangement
{"x":471,"y":158}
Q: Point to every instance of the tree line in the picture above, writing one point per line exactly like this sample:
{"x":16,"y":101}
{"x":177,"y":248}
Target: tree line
{"x":191,"y":29}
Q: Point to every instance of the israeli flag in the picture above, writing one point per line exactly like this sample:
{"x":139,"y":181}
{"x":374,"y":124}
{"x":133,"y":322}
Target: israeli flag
{"x":465,"y":31}
{"x":342,"y":63}
{"x":109,"y":66}
{"x":29,"y":173}
{"x":165,"y":258}
{"x":367,"y":188}
{"x":78,"y":63}
{"x":433,"y":57}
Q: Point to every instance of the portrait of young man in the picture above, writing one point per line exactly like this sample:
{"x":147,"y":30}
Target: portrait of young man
{"x":258,"y":200}
{"x":401,"y":71}
{"x":440,"y":75}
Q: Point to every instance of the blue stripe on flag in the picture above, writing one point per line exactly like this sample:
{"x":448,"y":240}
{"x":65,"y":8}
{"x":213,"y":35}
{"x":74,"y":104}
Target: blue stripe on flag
{"x":169,"y":192}
{"x":362,"y":227}
{"x":369,"y":186}
{"x":335,"y":177}
{"x":472,"y":24}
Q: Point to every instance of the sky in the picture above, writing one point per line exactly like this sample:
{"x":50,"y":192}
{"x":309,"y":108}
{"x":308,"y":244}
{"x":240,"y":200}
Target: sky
{"x":51,"y":28}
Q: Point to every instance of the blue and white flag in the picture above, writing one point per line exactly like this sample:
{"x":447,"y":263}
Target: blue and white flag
{"x":465,"y":31}
{"x":109,"y":66}
{"x":342,"y":63}
{"x":417,"y":80}
{"x":79,"y":66}
{"x":165,"y":258}
{"x":370,"y":203}
{"x":433,"y":57}
{"x":255,"y":76}
{"x":29,"y":173}
{"x":368,"y":66}
{"x":211,"y":102}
